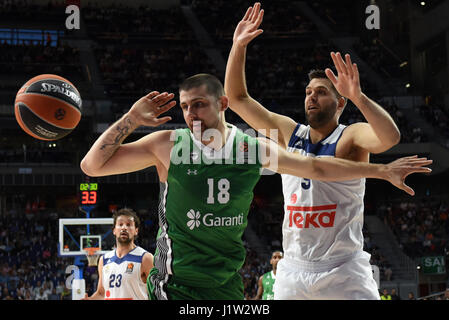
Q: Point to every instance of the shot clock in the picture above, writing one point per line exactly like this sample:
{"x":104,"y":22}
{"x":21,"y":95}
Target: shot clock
{"x":88,"y":194}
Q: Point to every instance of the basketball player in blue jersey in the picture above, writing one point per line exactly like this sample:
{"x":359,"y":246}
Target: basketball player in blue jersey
{"x":322,"y":228}
{"x":123,"y":272}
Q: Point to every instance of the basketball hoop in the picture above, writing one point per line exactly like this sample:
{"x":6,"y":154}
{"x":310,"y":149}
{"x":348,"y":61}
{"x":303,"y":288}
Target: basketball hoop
{"x":92,"y":256}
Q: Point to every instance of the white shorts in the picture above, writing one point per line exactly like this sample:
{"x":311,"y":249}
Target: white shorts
{"x":351,"y":279}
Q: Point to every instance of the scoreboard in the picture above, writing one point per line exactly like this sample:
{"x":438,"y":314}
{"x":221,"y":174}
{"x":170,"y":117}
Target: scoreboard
{"x":88,"y":194}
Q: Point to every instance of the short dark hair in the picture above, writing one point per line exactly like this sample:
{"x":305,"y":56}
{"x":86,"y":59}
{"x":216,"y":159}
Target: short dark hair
{"x":214,"y":86}
{"x":126,"y":212}
{"x":282,"y":254}
{"x":320,"y":74}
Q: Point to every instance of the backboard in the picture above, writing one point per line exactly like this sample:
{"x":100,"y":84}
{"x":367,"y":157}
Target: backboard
{"x":79,"y":233}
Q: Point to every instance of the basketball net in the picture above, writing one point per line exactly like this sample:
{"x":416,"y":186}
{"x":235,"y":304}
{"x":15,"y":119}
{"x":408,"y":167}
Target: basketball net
{"x":92,"y":256}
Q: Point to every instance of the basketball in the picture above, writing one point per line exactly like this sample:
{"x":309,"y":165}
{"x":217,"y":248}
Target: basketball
{"x":48,"y":107}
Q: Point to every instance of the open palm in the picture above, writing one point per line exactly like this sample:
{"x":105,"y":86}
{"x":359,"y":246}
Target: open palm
{"x":403,"y":167}
{"x":147,"y":109}
{"x":347,"y":81}
{"x":248,"y":27}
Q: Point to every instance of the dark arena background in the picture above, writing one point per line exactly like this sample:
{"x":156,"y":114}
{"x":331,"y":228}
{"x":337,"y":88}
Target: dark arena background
{"x":122,"y":50}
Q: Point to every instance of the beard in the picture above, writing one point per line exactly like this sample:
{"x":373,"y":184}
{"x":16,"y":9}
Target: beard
{"x":321,"y":118}
{"x":124,"y":241}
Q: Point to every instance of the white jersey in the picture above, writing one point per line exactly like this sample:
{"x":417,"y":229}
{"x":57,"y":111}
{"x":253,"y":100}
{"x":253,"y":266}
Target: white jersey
{"x":121,"y":276}
{"x":323,"y":221}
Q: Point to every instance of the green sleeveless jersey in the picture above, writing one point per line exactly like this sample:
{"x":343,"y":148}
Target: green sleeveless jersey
{"x":267,"y":284}
{"x":203,"y":209}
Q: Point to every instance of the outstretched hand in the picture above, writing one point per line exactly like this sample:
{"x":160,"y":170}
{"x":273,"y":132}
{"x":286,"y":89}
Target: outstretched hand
{"x":347,"y":81}
{"x":403,"y":167}
{"x":248,"y":27}
{"x":147,"y":109}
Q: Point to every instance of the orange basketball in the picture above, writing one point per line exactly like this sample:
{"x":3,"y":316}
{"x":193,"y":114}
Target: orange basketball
{"x":48,"y":107}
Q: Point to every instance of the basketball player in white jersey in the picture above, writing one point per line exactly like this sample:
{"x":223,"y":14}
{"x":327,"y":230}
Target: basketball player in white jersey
{"x":123,"y":272}
{"x":322,"y":228}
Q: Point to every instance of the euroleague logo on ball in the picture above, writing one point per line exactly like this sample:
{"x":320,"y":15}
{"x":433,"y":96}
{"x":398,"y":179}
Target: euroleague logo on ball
{"x":60,"y":114}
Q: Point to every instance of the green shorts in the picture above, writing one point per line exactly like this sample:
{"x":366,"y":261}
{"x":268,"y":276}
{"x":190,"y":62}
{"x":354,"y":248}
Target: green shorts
{"x":158,"y":290}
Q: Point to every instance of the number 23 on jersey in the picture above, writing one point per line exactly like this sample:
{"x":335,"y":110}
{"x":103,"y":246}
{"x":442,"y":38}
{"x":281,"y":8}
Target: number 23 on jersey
{"x":115,"y":281}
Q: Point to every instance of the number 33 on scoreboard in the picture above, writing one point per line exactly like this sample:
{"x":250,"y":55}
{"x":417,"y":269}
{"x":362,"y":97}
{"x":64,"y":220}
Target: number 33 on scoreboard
{"x":88,"y":197}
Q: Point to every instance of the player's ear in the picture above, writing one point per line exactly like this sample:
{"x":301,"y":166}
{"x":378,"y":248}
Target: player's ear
{"x":341,"y":103}
{"x":224,"y":103}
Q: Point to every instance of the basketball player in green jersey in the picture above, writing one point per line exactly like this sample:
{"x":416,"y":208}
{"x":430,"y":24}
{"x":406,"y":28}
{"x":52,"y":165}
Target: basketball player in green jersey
{"x":266,"y":281}
{"x":207,"y":174}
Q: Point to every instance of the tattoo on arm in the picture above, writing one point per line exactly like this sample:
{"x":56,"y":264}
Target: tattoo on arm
{"x":121,"y":133}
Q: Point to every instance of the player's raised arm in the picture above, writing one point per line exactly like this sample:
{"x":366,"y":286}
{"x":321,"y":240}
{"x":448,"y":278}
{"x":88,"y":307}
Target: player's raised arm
{"x":336,"y":169}
{"x":240,"y":101}
{"x":381,"y":132}
{"x":109,"y":156}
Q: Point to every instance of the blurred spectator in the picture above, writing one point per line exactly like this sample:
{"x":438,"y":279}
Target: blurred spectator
{"x":388,"y":272}
{"x":66,"y":294}
{"x":37,"y":290}
{"x":385,"y":295}
{"x":60,"y":288}
{"x":5,"y":294}
{"x":54,"y":295}
{"x":41,"y":294}
{"x":394,"y":295}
